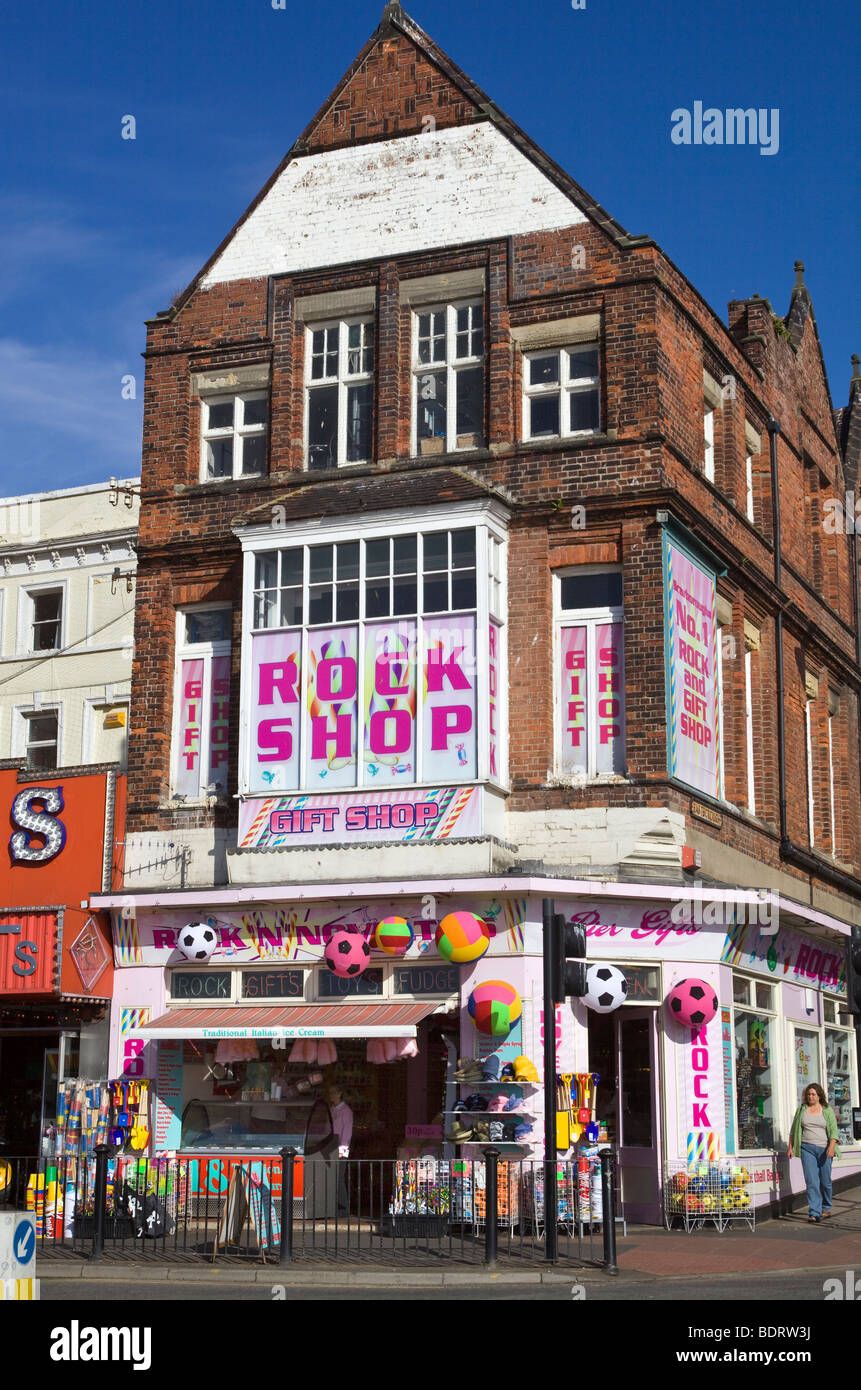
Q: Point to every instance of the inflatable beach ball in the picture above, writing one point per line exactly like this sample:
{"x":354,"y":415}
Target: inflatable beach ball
{"x":347,"y":954}
{"x":394,"y":936}
{"x":693,"y":1003}
{"x":197,"y":941}
{"x":494,"y":1008}
{"x":606,"y":988}
{"x":462,"y":937}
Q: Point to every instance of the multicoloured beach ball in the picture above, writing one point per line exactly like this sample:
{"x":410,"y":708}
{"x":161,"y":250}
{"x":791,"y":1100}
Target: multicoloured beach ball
{"x":693,"y":1003}
{"x":494,"y":1008}
{"x":394,"y":935}
{"x":347,"y":954}
{"x":462,"y":937}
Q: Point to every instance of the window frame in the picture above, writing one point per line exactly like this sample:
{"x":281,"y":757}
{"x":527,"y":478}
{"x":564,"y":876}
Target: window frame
{"x":592,"y":619}
{"x":486,"y":519}
{"x":27,"y":617}
{"x":564,"y":389}
{"x":709,"y":440}
{"x":23,"y":714}
{"x":343,"y":381}
{"x":236,"y":433}
{"x":451,"y":366}
{"x":208,"y":652}
{"x":773,"y":1013}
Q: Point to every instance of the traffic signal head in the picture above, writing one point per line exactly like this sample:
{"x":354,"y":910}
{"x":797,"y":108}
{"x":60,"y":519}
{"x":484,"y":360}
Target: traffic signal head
{"x":569,"y":964}
{"x":853,"y":972}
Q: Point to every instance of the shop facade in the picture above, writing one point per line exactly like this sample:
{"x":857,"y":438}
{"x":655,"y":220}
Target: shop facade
{"x":238,"y":1050}
{"x":56,"y":956}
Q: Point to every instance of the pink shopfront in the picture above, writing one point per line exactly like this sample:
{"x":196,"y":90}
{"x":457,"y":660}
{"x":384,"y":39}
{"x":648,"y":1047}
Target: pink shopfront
{"x":225,"y":1043}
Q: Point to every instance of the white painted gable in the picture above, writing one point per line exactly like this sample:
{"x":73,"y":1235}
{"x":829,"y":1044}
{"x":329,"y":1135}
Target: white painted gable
{"x":453,"y":186}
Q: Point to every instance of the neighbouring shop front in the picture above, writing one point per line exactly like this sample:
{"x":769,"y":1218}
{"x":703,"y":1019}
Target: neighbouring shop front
{"x":253,"y":1047}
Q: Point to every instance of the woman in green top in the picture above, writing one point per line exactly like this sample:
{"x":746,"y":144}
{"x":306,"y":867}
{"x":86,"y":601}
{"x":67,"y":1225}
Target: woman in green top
{"x":813,"y":1138}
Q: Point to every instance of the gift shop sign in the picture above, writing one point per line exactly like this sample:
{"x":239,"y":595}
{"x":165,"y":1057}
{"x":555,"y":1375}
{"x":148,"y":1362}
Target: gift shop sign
{"x":691,"y":657}
{"x":787,"y":955}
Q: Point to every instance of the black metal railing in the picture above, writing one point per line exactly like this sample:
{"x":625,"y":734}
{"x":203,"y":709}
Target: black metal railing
{"x":288,"y":1208}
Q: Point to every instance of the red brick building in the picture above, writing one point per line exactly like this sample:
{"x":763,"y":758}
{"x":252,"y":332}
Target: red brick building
{"x":480,"y":560}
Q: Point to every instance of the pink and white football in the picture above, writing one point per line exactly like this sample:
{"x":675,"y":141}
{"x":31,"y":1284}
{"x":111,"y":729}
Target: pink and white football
{"x":693,"y":1003}
{"x":347,"y":954}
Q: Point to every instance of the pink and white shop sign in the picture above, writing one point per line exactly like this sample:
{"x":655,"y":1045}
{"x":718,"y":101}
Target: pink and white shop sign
{"x":301,"y":932}
{"x":371,"y":817}
{"x":786,"y":955}
{"x":401,"y":711}
{"x":644,"y":929}
{"x":691,"y":660}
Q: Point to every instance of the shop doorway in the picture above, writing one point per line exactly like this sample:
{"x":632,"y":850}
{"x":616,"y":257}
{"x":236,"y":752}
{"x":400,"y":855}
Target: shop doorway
{"x":623,"y":1048}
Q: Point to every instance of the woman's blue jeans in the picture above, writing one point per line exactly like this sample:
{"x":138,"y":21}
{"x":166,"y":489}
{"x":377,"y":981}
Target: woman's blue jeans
{"x":817,"y":1175}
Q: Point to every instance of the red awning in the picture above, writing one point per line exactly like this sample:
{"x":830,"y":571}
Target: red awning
{"x":365,"y":1020}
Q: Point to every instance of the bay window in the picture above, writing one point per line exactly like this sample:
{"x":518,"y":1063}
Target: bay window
{"x":590,"y":662}
{"x":371,"y":658}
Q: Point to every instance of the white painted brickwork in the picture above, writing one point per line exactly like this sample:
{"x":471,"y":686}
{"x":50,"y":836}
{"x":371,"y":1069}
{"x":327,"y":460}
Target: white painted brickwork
{"x":448,"y":188}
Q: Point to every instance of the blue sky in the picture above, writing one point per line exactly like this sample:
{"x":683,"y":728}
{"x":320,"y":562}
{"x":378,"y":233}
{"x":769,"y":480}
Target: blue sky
{"x":98,"y":233}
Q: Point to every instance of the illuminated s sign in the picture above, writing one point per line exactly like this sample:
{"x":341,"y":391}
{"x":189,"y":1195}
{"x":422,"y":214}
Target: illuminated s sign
{"x":23,"y":847}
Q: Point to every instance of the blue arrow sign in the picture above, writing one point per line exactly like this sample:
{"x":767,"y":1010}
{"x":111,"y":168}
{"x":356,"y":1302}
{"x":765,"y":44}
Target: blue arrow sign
{"x":24,"y":1242}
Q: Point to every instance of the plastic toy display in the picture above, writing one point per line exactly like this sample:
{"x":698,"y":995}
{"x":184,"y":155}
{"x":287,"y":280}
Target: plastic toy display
{"x":347,"y":954}
{"x":494,"y":1008}
{"x":394,"y":936}
{"x":461,"y":938}
{"x":606,"y":988}
{"x":197,"y":941}
{"x":692,"y":1003}
{"x":717,"y":1193}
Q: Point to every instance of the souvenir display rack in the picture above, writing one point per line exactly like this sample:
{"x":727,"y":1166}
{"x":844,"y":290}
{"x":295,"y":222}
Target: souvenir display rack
{"x":716,"y":1193}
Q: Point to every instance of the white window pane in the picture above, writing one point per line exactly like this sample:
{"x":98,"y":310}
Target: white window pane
{"x":360,"y":401}
{"x":253,"y":453}
{"x":583,"y":362}
{"x":220,"y":415}
{"x":255,"y":412}
{"x":219,"y":458}
{"x":211,"y":625}
{"x":543,"y":416}
{"x":431,"y":405}
{"x":266,"y":571}
{"x":470,"y":407}
{"x":585,"y":414}
{"x":544,"y":369}
{"x":323,"y":427}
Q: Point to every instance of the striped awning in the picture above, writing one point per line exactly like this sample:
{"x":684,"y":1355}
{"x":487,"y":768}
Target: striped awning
{"x":380,"y":1019}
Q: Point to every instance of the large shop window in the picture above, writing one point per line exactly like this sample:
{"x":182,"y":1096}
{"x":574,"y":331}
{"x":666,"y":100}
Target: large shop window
{"x":339,"y":376}
{"x":375,"y":662}
{"x":755,"y":1034}
{"x":448,"y":377}
{"x":590,"y":724}
{"x":202,"y":702}
{"x":835,"y":1045}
